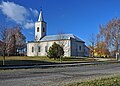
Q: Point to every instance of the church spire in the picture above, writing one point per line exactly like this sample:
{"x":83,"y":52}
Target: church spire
{"x":40,"y":16}
{"x":40,"y":27}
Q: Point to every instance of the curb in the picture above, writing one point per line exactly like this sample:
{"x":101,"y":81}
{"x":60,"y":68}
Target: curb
{"x":55,"y":65}
{"x":44,"y":66}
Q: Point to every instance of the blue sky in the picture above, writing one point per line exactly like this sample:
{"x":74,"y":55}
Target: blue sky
{"x":80,"y":17}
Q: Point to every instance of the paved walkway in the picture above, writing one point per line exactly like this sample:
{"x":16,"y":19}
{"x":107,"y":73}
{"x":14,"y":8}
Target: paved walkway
{"x":57,"y":76}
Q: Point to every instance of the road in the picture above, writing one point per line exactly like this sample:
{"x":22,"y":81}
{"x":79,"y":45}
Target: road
{"x":56,"y":76}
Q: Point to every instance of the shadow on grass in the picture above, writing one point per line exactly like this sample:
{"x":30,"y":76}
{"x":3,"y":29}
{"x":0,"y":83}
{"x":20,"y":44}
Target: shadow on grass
{"x":29,"y":61}
{"x":25,"y":62}
{"x":78,"y":59}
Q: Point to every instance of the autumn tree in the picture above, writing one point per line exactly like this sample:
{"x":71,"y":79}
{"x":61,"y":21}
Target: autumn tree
{"x":112,"y":34}
{"x":101,"y":47}
{"x":101,"y":50}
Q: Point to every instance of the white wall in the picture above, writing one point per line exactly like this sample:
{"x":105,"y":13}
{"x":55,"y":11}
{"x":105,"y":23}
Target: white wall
{"x":87,"y":50}
{"x":42,"y":45}
{"x":75,"y":51}
{"x":40,"y":34}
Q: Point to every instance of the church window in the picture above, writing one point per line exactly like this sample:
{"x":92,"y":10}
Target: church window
{"x":39,"y":48}
{"x":43,"y":29}
{"x":37,"y":29}
{"x":79,"y":47}
{"x":46,"y":48}
{"x":32,"y":49}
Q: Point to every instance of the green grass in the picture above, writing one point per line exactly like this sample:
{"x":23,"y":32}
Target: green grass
{"x":111,"y":81}
{"x":24,"y":60}
{"x":73,"y":59}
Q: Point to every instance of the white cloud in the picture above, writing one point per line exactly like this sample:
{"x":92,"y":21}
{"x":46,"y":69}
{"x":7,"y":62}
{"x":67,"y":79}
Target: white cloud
{"x":18,"y":13}
{"x":29,"y":25}
{"x":35,"y":12}
{"x":14,"y":11}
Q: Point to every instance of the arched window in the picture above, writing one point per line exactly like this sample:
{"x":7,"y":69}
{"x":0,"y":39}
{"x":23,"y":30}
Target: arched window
{"x":37,"y":29}
{"x":39,"y":48}
{"x":46,"y":48}
{"x":32,"y":49}
{"x":79,"y":47}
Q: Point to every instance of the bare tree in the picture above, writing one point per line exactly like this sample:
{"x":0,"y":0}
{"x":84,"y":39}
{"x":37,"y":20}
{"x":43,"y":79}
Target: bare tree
{"x":62,"y":41}
{"x":92,"y":44}
{"x":10,"y":37}
{"x":112,"y":34}
{"x":4,"y":42}
{"x":19,"y":40}
{"x":61,"y":38}
{"x":13,"y":41}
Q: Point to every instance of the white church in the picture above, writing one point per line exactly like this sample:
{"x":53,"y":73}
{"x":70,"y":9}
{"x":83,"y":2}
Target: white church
{"x":72,"y":45}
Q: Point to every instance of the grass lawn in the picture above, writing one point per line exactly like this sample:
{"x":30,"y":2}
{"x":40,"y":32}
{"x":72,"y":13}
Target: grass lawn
{"x":24,"y":60}
{"x":111,"y":81}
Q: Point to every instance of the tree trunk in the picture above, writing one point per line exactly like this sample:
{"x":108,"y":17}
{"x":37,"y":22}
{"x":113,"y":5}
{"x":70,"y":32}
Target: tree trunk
{"x":4,"y":57}
{"x":60,"y":59}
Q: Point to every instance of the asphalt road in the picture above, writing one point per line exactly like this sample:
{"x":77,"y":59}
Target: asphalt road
{"x":56,"y":76}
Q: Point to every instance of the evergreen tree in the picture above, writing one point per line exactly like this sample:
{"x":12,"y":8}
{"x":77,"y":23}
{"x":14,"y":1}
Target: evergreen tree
{"x":55,"y":51}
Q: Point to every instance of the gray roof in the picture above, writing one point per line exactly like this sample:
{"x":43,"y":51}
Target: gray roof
{"x":61,"y":36}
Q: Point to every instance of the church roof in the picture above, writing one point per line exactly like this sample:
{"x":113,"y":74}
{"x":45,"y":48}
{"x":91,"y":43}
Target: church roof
{"x":60,"y":37}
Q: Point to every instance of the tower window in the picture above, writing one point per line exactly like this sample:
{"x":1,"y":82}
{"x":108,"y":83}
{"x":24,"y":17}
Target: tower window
{"x":37,"y":29}
{"x":43,"y":29}
{"x":32,"y":49}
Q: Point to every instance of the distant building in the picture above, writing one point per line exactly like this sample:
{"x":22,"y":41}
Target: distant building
{"x":73,"y":46}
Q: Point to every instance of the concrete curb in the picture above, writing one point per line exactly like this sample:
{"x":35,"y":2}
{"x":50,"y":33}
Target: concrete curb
{"x":44,"y":66}
{"x":55,"y":65}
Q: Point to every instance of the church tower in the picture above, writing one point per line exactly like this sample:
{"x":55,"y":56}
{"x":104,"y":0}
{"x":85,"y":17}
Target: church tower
{"x":40,"y":27}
